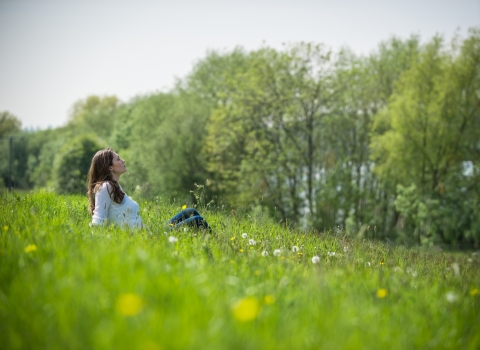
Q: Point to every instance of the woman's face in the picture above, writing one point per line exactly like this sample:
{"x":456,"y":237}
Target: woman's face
{"x":118,"y":165}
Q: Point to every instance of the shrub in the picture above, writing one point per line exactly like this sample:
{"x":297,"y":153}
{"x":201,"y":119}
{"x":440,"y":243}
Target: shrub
{"x":72,"y":163}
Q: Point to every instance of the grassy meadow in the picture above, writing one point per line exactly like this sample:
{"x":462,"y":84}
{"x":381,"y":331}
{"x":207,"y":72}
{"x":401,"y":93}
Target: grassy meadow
{"x":64,"y":285}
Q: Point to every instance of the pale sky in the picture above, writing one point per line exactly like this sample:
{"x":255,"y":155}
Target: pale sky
{"x":55,"y":52}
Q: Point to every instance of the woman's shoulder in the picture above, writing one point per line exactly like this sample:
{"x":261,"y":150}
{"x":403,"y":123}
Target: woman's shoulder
{"x":103,"y":186}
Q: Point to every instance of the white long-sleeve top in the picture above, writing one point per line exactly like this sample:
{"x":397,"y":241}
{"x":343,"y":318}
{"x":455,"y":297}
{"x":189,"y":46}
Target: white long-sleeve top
{"x":107,"y":210}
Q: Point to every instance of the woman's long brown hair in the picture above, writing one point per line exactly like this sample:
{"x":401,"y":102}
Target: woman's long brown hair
{"x":98,"y":174}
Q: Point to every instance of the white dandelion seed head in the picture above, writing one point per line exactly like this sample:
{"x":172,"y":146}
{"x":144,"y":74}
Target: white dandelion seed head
{"x":277,"y":252}
{"x":252,"y":242}
{"x":244,"y":235}
{"x":345,"y":249}
{"x":456,"y":269}
{"x":316,"y":259}
{"x":451,"y":297}
{"x":331,"y":253}
{"x":294,"y":249}
{"x":172,"y":239}
{"x":264,"y":253}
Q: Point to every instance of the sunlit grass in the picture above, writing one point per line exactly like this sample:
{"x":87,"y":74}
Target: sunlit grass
{"x":250,"y":284}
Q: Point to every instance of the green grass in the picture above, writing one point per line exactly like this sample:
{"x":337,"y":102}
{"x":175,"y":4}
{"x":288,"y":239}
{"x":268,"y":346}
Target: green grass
{"x":105,"y":288}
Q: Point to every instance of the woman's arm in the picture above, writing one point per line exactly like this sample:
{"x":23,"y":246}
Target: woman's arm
{"x":103,"y":202}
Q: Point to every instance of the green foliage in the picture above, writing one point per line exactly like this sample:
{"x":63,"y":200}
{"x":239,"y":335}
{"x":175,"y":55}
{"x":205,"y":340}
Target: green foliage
{"x":9,"y":124}
{"x":263,"y":137}
{"x":64,"y":285}
{"x":72,"y":163}
{"x":167,"y":132}
{"x":95,"y":115}
{"x":418,"y":216}
{"x":41,"y":163}
{"x":433,"y":130}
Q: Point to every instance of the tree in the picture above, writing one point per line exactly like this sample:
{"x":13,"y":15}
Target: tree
{"x":9,"y":124}
{"x":432,"y":133}
{"x":264,"y":136}
{"x":72,"y":164}
{"x":349,"y":194}
{"x":95,"y":115}
{"x":167,"y":131}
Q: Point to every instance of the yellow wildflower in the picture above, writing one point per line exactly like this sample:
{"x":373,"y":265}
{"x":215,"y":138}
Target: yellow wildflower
{"x":246,"y":309}
{"x":269,"y":299}
{"x":129,"y":304}
{"x":30,"y":248}
{"x":382,"y":293}
{"x":241,"y":250}
{"x":5,"y":228}
{"x":474,"y":292}
{"x":184,"y":206}
{"x":233,"y":238}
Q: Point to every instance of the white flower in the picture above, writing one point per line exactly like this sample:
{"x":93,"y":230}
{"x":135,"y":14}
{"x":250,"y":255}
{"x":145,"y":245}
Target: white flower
{"x":368,"y":263}
{"x":264,"y":253}
{"x":451,"y":297}
{"x":294,"y":249}
{"x":185,"y":229}
{"x":345,"y":249}
{"x":277,"y":252}
{"x":252,"y":242}
{"x":331,"y":253}
{"x":456,"y":269}
{"x":315,"y":259}
{"x":244,"y":235}
{"x":172,"y":239}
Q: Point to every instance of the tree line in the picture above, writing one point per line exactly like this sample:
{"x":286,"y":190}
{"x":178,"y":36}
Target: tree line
{"x":384,"y":145}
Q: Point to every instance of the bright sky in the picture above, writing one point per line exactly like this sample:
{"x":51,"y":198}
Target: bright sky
{"x":55,"y":52}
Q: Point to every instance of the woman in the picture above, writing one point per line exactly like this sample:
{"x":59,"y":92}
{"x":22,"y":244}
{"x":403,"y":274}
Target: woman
{"x":109,"y":203}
